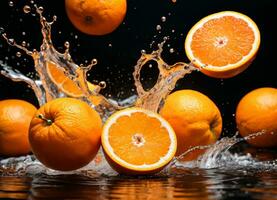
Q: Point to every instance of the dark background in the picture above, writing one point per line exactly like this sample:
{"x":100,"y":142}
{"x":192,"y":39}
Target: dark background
{"x":118,"y":52}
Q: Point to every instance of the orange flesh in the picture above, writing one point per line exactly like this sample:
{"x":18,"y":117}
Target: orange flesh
{"x":222,"y":41}
{"x":153,"y":138}
{"x":62,"y":80}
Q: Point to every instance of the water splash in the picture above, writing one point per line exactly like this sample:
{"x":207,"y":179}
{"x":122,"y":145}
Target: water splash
{"x":58,"y":75}
{"x":168,"y":76}
{"x":218,"y":156}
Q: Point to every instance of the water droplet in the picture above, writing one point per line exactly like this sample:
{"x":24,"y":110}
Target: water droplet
{"x":32,"y":2}
{"x":23,"y":33}
{"x":54,"y":18}
{"x":2,"y":30}
{"x":18,"y":54}
{"x":11,"y":41}
{"x":158,"y":27}
{"x":150,"y":66}
{"x":163,"y":18}
{"x":11,"y":3}
{"x":165,"y":38}
{"x":171,"y":50}
{"x":102,"y":84}
{"x":110,"y":45}
{"x":173,"y":31}
{"x":142,"y":51}
{"x":40,"y":9}
{"x":26,"y":9}
{"x":76,"y":36}
{"x":23,"y":43}
{"x":66,"y":45}
{"x":94,"y":61}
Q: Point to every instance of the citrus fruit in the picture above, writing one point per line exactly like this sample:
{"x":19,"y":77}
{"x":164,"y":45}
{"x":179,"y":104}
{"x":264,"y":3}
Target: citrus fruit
{"x":223,"y":44}
{"x":65,"y":134}
{"x":96,"y":17}
{"x":68,"y":86}
{"x":138,"y":141}
{"x":256,"y":112}
{"x":15,"y":118}
{"x":195,"y":119}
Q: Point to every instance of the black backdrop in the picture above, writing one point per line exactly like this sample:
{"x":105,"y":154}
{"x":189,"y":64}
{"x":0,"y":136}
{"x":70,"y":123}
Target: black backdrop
{"x":118,"y":52}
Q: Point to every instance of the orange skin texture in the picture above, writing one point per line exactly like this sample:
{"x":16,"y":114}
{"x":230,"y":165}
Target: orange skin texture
{"x":73,"y":138}
{"x":96,"y":17}
{"x":257,"y":111}
{"x":15,"y":118}
{"x":195,"y":119}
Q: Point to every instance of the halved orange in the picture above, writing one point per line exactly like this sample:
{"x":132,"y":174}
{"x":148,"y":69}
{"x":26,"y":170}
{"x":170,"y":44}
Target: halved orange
{"x":138,"y":141}
{"x":68,"y":86}
{"x":64,"y":83}
{"x":223,"y":44}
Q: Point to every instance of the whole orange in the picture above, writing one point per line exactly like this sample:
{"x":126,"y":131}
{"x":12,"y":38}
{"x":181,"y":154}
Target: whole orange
{"x":15,"y":118}
{"x":96,"y":17}
{"x":195,"y":119}
{"x":257,"y":111}
{"x":65,"y":134}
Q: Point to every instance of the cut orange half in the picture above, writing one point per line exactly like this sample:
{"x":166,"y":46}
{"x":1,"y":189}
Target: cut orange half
{"x":138,"y":141}
{"x":223,"y":44}
{"x":64,"y":83}
{"x":68,"y":86}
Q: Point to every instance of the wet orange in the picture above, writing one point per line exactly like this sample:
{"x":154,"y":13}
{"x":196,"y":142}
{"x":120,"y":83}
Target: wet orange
{"x":138,"y":141}
{"x":15,"y":118}
{"x":65,"y":134}
{"x":96,"y":17}
{"x":195,"y":119}
{"x":223,"y":44}
{"x":256,"y":112}
{"x":68,"y":86}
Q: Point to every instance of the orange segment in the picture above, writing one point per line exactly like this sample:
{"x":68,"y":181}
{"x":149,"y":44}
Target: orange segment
{"x":60,"y":79}
{"x":224,"y":43}
{"x":137,"y":141}
{"x":68,"y":86}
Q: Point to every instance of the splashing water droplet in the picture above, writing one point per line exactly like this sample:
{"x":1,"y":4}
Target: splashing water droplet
{"x":94,"y":61}
{"x":142,"y":51}
{"x":18,"y":54}
{"x":2,"y":30}
{"x":163,"y":18}
{"x":11,"y":4}
{"x":11,"y":41}
{"x":40,"y":9}
{"x":171,"y":50}
{"x":158,"y":27}
{"x":67,"y":45}
{"x":54,"y":18}
{"x":26,"y":9}
{"x":102,"y":84}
